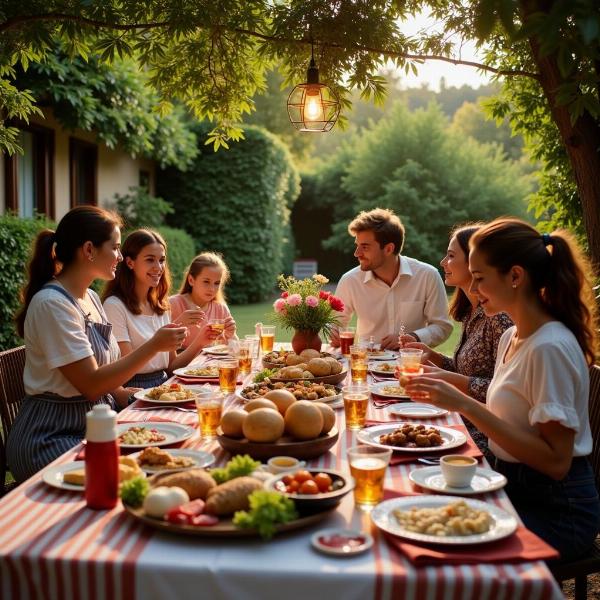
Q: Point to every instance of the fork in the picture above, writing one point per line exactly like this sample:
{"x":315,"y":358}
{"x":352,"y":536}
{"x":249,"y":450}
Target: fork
{"x":192,"y":410}
{"x":429,"y":460}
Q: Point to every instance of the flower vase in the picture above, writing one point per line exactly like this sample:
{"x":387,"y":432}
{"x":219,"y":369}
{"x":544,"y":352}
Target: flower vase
{"x":306,"y":339}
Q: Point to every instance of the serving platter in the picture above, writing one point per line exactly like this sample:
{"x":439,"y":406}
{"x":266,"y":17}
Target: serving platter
{"x":268,"y":363}
{"x":504,"y":524}
{"x":484,"y":480}
{"x":452,"y":438}
{"x":173,"y":432}
{"x":332,"y":379}
{"x":284,"y":446}
{"x":327,"y":399}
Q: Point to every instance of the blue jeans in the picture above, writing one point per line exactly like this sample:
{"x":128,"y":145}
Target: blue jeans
{"x":565,"y":514}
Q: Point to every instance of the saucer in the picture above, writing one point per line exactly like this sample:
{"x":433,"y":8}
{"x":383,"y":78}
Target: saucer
{"x":484,"y":480}
{"x":341,"y":542}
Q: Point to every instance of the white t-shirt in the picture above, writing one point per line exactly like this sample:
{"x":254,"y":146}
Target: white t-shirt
{"x":54,"y":336}
{"x":416,"y":299}
{"x":546,"y":379}
{"x":137,"y":329}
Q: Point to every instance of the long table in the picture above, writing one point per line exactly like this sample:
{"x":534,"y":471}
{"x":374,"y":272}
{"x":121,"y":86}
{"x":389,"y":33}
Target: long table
{"x":53,"y":547}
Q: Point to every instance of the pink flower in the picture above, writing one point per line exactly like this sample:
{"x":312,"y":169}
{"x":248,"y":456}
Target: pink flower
{"x":336,"y":303}
{"x":311,"y":301}
{"x":280,"y":306}
{"x":284,"y":294}
{"x":294,"y":299}
{"x":324,"y":295}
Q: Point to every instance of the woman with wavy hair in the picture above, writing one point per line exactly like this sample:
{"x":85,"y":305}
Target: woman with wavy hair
{"x":136,"y":303}
{"x":536,"y":416}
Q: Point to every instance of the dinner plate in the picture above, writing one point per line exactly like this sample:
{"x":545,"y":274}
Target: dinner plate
{"x":431,"y":478}
{"x":201,"y":459}
{"x":370,"y":435}
{"x":378,"y":389}
{"x":376,"y":368}
{"x":341,"y":542}
{"x":141,"y":395}
{"x":417,"y":410}
{"x":219,"y":350}
{"x":382,"y":355}
{"x":382,"y":516}
{"x":173,"y":432}
{"x":54,"y":476}
{"x":182,"y":373}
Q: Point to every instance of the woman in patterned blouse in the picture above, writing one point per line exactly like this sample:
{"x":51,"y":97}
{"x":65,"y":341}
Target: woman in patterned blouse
{"x":472,"y":366}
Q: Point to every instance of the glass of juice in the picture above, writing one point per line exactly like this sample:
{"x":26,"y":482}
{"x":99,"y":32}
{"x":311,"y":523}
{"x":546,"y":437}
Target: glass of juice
{"x":218,"y":325}
{"x":228,"y":374}
{"x":409,"y":361}
{"x":356,"y":402}
{"x":210,"y":407}
{"x":368,"y":465}
{"x":358,"y":363}
{"x":347,"y":339}
{"x":244,"y":354}
{"x":267,"y":338}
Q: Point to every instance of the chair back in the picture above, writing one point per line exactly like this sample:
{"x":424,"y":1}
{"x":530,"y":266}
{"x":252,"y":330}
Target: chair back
{"x":594,"y":409}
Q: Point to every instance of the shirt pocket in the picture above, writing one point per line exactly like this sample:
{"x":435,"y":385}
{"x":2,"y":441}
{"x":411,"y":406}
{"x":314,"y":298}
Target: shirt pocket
{"x":412,"y":314}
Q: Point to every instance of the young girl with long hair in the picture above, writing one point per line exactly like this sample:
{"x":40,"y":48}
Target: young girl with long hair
{"x":72,"y":359}
{"x":136,"y":304}
{"x":203,"y":288}
{"x":536,"y":416}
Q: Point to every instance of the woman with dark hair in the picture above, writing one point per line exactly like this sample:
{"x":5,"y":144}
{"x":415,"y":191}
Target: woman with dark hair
{"x":472,"y":366}
{"x":72,"y":359}
{"x":136,"y":303}
{"x":536,"y":416}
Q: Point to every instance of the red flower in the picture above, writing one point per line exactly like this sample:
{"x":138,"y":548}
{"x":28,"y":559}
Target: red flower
{"x":324,"y":295}
{"x":336,"y":303}
{"x":284,"y":294}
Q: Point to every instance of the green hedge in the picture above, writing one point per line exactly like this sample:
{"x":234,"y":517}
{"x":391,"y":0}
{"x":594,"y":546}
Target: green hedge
{"x":16,"y":240}
{"x":238,"y":202}
{"x":181,"y":248}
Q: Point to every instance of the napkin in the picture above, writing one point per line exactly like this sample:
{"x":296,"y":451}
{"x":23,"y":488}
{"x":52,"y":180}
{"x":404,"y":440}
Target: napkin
{"x":399,"y":457}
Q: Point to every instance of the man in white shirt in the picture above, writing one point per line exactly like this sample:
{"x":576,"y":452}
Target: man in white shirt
{"x":391,"y":294}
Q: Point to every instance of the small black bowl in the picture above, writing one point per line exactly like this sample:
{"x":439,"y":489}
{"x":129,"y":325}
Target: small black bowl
{"x":342,"y":483}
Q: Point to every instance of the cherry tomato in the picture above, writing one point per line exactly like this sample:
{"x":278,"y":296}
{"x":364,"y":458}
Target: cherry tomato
{"x":287,"y":479}
{"x":301,"y":476}
{"x":308,"y":487}
{"x":293,"y":487}
{"x":323,"y":482}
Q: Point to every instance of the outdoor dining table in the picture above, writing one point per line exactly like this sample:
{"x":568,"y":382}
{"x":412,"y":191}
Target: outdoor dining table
{"x":52,"y":546}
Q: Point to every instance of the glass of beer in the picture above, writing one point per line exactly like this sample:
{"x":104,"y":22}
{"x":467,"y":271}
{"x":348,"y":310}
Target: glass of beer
{"x":368,"y":465}
{"x":356,"y":402}
{"x":267,"y":338}
{"x":244,"y":354}
{"x":358,"y":363}
{"x":347,"y":339}
{"x":209,"y":406}
{"x":217,"y":325}
{"x":228,"y":374}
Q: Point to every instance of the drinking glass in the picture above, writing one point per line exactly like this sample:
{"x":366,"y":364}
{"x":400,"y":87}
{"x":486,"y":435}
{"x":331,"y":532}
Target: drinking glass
{"x":267,"y":338}
{"x":358,"y":363}
{"x":244,"y":355}
{"x":209,"y":406}
{"x":219,"y":326}
{"x":228,"y":374}
{"x":409,"y":361}
{"x":347,"y":339}
{"x":368,"y":465}
{"x":356,"y":402}
{"x":254,"y":341}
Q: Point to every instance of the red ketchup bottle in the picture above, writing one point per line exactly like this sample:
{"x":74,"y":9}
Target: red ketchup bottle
{"x":101,"y":458}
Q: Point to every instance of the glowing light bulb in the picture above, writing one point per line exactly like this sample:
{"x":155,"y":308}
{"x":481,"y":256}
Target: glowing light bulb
{"x":313,"y":107}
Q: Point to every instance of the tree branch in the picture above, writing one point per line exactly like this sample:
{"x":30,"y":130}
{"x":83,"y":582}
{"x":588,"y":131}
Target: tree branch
{"x":17,"y":21}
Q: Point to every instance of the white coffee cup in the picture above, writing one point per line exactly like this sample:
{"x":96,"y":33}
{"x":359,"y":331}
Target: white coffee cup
{"x":458,"y":470}
{"x":281,"y":464}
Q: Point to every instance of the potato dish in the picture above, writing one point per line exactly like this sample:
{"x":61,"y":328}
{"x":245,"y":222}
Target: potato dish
{"x":171,"y":391}
{"x":385,"y":367}
{"x":391,"y":390}
{"x":302,"y":390}
{"x":203,"y":372}
{"x":413,"y":436}
{"x":137,"y":436}
{"x":457,"y":518}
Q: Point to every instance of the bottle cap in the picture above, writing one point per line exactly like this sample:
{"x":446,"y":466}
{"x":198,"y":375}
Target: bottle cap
{"x":101,"y":424}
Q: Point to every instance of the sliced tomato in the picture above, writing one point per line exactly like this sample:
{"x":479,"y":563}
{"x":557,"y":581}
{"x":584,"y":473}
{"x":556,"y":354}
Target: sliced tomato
{"x":193,"y":508}
{"x":205,"y":520}
{"x":177,"y":518}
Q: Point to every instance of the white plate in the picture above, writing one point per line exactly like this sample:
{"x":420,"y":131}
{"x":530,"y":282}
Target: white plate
{"x":219,"y":350}
{"x":173,"y":432}
{"x":182,"y":373}
{"x":54,"y":476}
{"x":370,"y":435}
{"x":431,"y":478}
{"x":202,"y":460}
{"x":141,"y":395}
{"x":377,"y":389}
{"x":348,"y":550}
{"x":417,"y":410}
{"x":504,"y":523}
{"x":376,"y":368}
{"x":384,"y":355}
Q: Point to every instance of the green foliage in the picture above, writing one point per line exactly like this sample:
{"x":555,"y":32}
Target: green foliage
{"x":267,"y":510}
{"x":16,"y":240}
{"x":238,"y":203}
{"x":139,"y":208}
{"x":181,"y":249}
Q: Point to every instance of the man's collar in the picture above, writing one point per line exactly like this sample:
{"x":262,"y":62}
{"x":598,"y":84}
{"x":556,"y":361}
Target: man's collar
{"x":404,"y":270}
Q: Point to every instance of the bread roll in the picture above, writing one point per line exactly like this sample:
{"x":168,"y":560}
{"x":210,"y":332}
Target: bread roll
{"x":196,"y":482}
{"x":232,"y":495}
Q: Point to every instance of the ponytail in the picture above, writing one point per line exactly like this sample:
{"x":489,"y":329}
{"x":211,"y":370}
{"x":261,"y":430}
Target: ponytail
{"x":40,"y":270}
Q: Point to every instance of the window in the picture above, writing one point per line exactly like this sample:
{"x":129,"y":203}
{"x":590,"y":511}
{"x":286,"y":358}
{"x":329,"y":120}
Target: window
{"x":30,"y":176}
{"x":83,"y":166}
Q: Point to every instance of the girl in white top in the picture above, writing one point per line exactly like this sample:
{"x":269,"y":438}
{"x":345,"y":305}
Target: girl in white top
{"x":536,"y":415}
{"x":136,"y":304}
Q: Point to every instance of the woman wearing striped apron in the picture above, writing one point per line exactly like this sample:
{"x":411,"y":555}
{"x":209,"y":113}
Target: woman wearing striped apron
{"x":72,"y":359}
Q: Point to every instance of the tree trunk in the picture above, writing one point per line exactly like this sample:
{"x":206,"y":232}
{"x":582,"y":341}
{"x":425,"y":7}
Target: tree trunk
{"x":581,"y":139}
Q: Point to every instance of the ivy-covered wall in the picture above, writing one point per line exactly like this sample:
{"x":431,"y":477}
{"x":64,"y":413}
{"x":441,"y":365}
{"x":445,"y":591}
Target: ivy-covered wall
{"x":238,"y":202}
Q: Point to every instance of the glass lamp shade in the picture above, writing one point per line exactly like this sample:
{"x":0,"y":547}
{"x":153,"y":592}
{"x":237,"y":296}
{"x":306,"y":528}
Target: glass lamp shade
{"x":313,"y":107}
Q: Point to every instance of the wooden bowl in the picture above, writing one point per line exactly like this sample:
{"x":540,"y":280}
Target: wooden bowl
{"x":267,"y":364}
{"x":284,"y":446}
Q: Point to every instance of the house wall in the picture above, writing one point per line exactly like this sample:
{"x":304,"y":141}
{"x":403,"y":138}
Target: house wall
{"x":117,"y":171}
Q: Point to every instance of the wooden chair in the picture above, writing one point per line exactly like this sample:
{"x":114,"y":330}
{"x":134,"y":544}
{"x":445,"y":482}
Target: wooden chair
{"x":580,"y":569}
{"x":12,"y":391}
